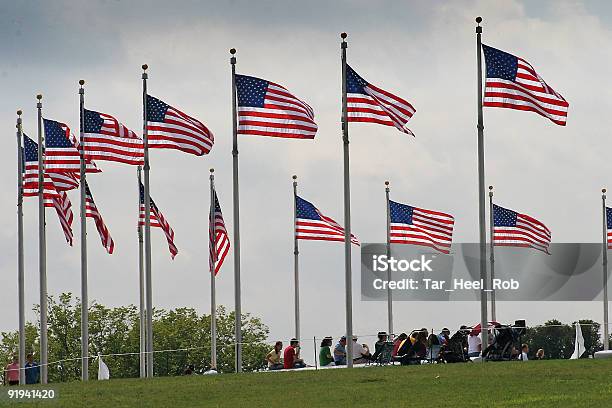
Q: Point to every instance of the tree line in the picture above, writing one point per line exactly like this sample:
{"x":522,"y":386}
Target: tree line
{"x":558,"y":339}
{"x":116,"y":331}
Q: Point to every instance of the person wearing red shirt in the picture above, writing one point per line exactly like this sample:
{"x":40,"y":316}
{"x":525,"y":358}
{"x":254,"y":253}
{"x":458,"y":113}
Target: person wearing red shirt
{"x":11,"y":372}
{"x":291,"y":356}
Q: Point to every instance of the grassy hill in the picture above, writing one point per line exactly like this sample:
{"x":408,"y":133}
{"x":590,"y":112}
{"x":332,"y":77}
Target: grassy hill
{"x":582,"y":383}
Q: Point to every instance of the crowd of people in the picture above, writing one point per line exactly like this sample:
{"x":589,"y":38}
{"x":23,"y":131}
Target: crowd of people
{"x":405,"y":349}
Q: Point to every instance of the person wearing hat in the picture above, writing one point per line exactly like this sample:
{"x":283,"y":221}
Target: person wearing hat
{"x":360,"y":354}
{"x":291,"y":354}
{"x":325,"y":355}
{"x":444,"y":336}
{"x":340,"y":352}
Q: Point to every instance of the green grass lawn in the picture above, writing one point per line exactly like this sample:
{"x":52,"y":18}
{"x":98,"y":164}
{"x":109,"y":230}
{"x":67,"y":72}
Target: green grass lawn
{"x":582,"y":383}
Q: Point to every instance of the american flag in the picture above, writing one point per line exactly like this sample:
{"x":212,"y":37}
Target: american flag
{"x":368,"y":103}
{"x":311,"y":224}
{"x":91,"y":211}
{"x":268,"y":109}
{"x":417,"y":226}
{"x":513,"y":83}
{"x":63,"y":208}
{"x":52,"y":182}
{"x":157,"y":220}
{"x":61,"y":149}
{"x":609,"y":226}
{"x":519,"y":230}
{"x":105,"y":138}
{"x":218,"y":233}
{"x":169,"y":128}
{"x":54,"y":196}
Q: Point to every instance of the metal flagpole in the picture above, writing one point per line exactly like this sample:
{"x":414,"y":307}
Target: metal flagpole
{"x":42,"y":248}
{"x":147,"y":229}
{"x":84,"y":291}
{"x":142,"y":283}
{"x":606,"y":328}
{"x":237,"y":295}
{"x":389,"y":292}
{"x":481,"y":194}
{"x":213,"y":265}
{"x":492,"y":255}
{"x":296,"y":272}
{"x":348,"y":278}
{"x":20,"y":264}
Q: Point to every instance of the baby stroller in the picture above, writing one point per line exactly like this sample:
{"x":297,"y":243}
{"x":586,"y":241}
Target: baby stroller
{"x":454,"y":350}
{"x":505,"y":338}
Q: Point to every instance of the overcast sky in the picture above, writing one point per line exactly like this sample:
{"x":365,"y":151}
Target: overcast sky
{"x":421,"y":51}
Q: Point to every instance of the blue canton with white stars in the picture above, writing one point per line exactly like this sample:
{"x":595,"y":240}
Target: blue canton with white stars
{"x":609,"y":217}
{"x":502,"y":217}
{"x":400,"y":213}
{"x":93,"y":122}
{"x":156,"y":109}
{"x":88,"y":191}
{"x":55,"y":136}
{"x":354,"y":83}
{"x":30,"y":149}
{"x":305,"y":210}
{"x":500,"y":64}
{"x":251,"y":91}
{"x":217,"y":206}
{"x":142,"y":200}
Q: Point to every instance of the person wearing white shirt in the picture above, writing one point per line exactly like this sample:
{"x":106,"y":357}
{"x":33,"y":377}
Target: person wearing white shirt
{"x":524,"y":351}
{"x":360,"y":354}
{"x":474,"y":345}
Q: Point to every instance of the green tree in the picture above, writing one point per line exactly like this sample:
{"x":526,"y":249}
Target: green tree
{"x":114,"y":332}
{"x":554,"y":337}
{"x":557,"y":339}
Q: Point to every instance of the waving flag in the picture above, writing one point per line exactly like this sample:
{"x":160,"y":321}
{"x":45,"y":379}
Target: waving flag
{"x":519,"y":230}
{"x":268,"y":109}
{"x":368,"y":103}
{"x":91,"y":211}
{"x":579,"y":348}
{"x":417,"y":226}
{"x":311,"y":224}
{"x":53,"y":182}
{"x":157,"y":220}
{"x":513,"y":83}
{"x":54,"y":196}
{"x":104,"y":138}
{"x":609,"y":226}
{"x":61,"y":149}
{"x":218,"y":232}
{"x":63,"y":208}
{"x":169,"y":128}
